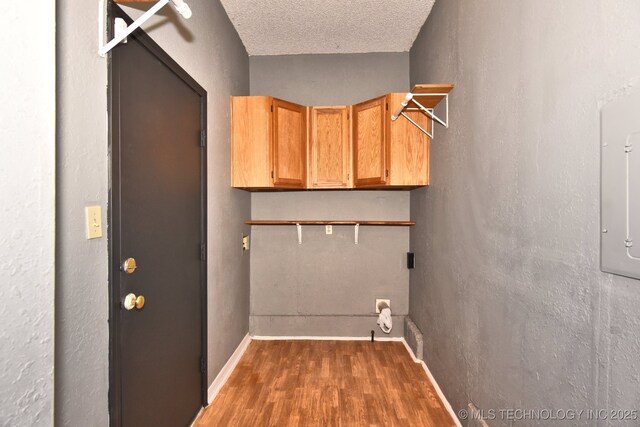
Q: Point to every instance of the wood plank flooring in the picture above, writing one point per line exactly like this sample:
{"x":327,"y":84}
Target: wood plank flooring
{"x":326,"y":383}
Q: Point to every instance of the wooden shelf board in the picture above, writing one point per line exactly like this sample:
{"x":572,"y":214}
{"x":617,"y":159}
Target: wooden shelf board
{"x":328,"y":222}
{"x":430,"y":101}
{"x":439,"y":88}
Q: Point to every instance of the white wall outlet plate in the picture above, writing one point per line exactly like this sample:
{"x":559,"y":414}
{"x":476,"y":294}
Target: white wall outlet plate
{"x":378,"y":301}
{"x":328,"y":229}
{"x":245,"y":243}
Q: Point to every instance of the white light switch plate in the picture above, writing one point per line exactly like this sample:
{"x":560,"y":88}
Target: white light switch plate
{"x":93,"y":216}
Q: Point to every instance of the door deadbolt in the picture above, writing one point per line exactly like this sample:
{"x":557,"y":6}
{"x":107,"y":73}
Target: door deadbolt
{"x":132,"y":301}
{"x":129,"y":265}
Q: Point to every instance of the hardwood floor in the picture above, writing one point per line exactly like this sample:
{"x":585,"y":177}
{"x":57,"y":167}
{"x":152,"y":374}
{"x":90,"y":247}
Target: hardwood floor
{"x":326,"y":383}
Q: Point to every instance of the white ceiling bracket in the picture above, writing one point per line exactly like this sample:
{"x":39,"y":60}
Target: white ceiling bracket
{"x":122,"y":31}
{"x":429,"y":112}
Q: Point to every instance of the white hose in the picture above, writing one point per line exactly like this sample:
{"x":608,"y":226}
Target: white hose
{"x":384,"y":320}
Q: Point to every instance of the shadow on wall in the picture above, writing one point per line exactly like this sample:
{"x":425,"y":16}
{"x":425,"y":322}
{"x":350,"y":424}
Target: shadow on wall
{"x":169,"y":15}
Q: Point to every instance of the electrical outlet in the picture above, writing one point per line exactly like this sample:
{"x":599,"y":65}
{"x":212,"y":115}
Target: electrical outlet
{"x":245,"y":243}
{"x":328,"y":229}
{"x":379,"y":301}
{"x":93,"y":217}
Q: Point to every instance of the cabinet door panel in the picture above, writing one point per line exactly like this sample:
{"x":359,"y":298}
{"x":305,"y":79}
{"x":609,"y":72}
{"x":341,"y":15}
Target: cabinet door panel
{"x":250,"y":141}
{"x":289,"y":144}
{"x":409,"y":147}
{"x":369,"y":147}
{"x":329,"y":148}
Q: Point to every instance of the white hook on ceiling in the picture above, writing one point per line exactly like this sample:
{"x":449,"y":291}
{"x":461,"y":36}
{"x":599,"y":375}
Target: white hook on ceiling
{"x":122,"y":31}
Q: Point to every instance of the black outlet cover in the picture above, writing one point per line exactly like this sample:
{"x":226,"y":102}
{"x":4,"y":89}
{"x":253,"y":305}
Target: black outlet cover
{"x":411,"y":260}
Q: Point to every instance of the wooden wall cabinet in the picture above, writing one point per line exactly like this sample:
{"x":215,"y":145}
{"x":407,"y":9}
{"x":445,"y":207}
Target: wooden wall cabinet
{"x":408,"y":146}
{"x":389,"y":153}
{"x":370,"y":147}
{"x":269,"y":140}
{"x":329,"y":148}
{"x":280,"y":145}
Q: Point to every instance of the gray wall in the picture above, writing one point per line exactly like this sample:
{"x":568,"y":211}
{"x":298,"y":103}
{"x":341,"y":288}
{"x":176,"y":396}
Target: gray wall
{"x":507,"y":291}
{"x":208,"y":47}
{"x":327,"y":286}
{"x":329,"y":79}
{"x":82,"y":339}
{"x":27,"y":215}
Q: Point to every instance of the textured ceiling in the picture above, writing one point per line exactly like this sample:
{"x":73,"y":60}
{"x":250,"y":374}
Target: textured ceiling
{"x":289,"y":27}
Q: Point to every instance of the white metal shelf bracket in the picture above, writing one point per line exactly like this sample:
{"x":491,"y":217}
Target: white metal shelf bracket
{"x":122,"y":31}
{"x":356,"y":232}
{"x":299,"y":227}
{"x":430,"y":135}
{"x":429,"y":112}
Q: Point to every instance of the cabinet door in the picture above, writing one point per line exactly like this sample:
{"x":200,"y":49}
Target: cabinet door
{"x":251,"y":134}
{"x":289,"y":144}
{"x":370,"y":156}
{"x":409,"y":147}
{"x":329,"y":150}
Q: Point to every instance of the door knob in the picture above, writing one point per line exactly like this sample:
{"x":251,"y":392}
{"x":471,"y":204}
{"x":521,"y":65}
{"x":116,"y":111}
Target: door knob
{"x":129,"y":265}
{"x":132,"y":301}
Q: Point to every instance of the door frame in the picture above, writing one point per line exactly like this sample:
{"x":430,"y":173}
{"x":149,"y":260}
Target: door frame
{"x":113,"y":219}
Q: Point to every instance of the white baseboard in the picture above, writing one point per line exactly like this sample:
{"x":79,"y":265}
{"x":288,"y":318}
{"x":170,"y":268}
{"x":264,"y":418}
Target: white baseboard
{"x":227,"y":369}
{"x":444,"y":400}
{"x":231,"y":364}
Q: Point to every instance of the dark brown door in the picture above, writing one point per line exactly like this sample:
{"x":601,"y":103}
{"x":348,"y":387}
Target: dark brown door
{"x":157,"y":216}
